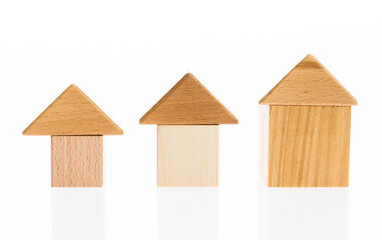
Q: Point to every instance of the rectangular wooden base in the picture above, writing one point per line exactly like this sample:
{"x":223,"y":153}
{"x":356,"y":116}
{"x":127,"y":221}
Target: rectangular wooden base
{"x":188,"y":155}
{"x":309,"y":146}
{"x":77,"y":161}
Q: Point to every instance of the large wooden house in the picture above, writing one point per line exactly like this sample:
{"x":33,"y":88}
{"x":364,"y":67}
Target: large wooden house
{"x":306,"y":125}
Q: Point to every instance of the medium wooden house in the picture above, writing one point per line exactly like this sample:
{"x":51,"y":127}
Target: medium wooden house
{"x":306,"y":124}
{"x":188,"y":119}
{"x":76,"y":126}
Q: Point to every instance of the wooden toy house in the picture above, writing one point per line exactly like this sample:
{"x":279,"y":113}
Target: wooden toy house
{"x":188,"y":119}
{"x":306,"y":138}
{"x":76,"y":126}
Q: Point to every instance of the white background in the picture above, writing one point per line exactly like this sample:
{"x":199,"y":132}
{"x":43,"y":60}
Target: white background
{"x":125,"y":55}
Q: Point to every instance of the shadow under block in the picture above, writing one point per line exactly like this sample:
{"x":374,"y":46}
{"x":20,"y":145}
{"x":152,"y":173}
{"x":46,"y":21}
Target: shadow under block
{"x":77,"y":161}
{"x":188,"y":155}
{"x":309,"y":146}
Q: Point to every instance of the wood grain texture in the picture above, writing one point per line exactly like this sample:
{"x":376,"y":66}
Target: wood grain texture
{"x":188,"y":155}
{"x":73,"y":113}
{"x":309,"y":83}
{"x":188,"y":102}
{"x":77,"y":161}
{"x":309,"y":146}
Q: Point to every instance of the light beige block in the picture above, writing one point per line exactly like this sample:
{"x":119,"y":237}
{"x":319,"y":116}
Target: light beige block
{"x":77,"y":161}
{"x":188,"y":155}
{"x":264,"y":140}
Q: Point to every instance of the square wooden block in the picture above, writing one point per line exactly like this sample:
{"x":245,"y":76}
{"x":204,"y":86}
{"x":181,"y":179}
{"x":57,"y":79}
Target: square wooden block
{"x":188,"y":155}
{"x":307,"y":146}
{"x":77,"y":161}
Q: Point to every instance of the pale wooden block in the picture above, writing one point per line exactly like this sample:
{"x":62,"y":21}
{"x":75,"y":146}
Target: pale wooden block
{"x":264,"y":140}
{"x":309,"y":146}
{"x":188,"y":155}
{"x":77,"y":161}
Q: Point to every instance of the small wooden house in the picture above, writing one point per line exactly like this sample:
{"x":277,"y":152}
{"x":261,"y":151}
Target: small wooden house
{"x":76,"y":125}
{"x":306,"y":140}
{"x":188,"y":119}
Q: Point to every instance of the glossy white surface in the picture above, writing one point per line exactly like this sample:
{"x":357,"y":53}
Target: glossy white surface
{"x":188,"y":213}
{"x":78,"y":214}
{"x":193,"y":213}
{"x":303,"y":213}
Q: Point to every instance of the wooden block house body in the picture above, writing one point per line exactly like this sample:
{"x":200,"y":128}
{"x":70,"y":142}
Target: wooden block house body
{"x":76,"y":126}
{"x":306,"y":129}
{"x":188,"y":119}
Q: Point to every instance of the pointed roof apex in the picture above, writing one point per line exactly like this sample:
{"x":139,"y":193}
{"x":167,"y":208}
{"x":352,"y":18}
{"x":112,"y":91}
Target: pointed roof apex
{"x":310,"y":56}
{"x":73,"y":113}
{"x":309,"y":83}
{"x":188,"y":103}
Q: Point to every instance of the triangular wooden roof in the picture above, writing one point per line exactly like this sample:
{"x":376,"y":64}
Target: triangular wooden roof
{"x":188,"y":102}
{"x":309,"y":83}
{"x":73,"y":113}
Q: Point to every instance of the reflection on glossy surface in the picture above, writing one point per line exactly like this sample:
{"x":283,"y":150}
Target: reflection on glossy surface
{"x":303,"y":213}
{"x":188,"y":213}
{"x":78,"y":214}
